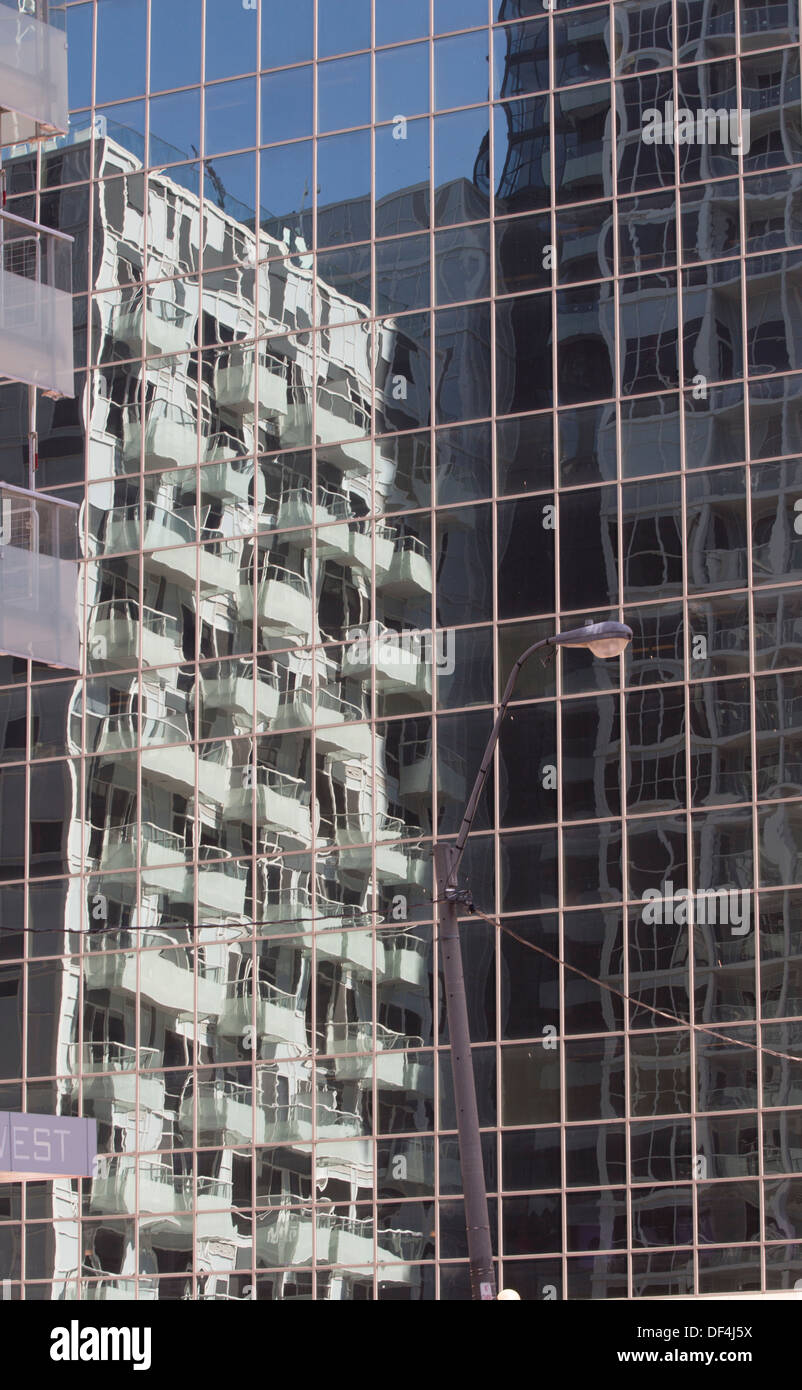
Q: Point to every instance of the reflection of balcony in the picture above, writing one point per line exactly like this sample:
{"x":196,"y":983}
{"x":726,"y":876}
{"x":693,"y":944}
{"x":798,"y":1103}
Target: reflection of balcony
{"x":350,"y":544}
{"x":722,"y":567}
{"x":405,"y":960}
{"x":395,"y":1069}
{"x":396,"y":863}
{"x":285,"y":905}
{"x":354,"y":948}
{"x":112,"y":1289}
{"x":398,"y":1070}
{"x":399,"y":660}
{"x":287,"y":1122}
{"x":221,"y":882}
{"x":110,"y":1068}
{"x":234,"y":694}
{"x":291,"y":1122}
{"x":164,"y":758}
{"x":410,"y":571}
{"x":236,"y":380}
{"x":224,"y":1111}
{"x":283,"y":604}
{"x":345,"y":737}
{"x":219,"y":566}
{"x":282,"y":801}
{"x":159,"y":1188}
{"x":111,"y":1056}
{"x":295,"y":506}
{"x":336,"y":418}
{"x":114,"y":630}
{"x":169,"y":326}
{"x":159,"y":853}
{"x":170,"y":435}
{"x":284,"y":1237}
{"x":161,"y":528}
{"x":113,"y":733}
{"x":275,"y":1014}
{"x":166,"y":977}
{"x":226,"y":475}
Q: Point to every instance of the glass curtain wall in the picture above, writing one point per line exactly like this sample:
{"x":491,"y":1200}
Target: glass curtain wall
{"x":401,"y":341}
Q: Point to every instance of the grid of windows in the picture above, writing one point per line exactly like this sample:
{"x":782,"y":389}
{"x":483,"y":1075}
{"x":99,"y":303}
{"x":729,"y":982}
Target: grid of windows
{"x":399,"y":346}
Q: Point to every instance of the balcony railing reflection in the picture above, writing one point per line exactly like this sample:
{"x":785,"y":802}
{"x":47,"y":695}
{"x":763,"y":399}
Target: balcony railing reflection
{"x":276,"y":1015}
{"x":283,"y":604}
{"x":224,"y":1112}
{"x":111,"y":1288}
{"x":108,"y":1056}
{"x":397,"y":863}
{"x":170,"y":435}
{"x":281,"y":800}
{"x":237,"y":378}
{"x":115,"y":627}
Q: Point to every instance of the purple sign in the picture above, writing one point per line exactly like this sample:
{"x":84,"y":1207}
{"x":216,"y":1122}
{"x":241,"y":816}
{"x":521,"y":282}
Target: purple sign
{"x":46,"y":1146}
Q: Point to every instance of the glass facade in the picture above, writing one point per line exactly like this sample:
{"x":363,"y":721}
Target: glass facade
{"x":399,"y":345}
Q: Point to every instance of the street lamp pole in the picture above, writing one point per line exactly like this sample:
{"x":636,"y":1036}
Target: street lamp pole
{"x":603,"y":639}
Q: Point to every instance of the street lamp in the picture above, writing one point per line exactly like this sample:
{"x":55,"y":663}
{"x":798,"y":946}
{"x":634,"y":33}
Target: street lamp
{"x":604,"y":640}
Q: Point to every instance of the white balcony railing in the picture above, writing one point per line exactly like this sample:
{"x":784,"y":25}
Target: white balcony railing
{"x":35,"y":304}
{"x":33,"y":72}
{"x":38,"y":576}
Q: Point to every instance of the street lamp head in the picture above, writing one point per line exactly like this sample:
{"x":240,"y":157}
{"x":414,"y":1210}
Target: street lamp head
{"x":603,"y":639}
{"x":508,"y":1295}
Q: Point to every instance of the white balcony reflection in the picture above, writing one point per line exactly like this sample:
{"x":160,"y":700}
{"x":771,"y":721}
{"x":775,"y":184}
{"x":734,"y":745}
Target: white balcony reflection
{"x":160,"y":853}
{"x":410,"y":571}
{"x":170,"y":435}
{"x":114,"y":630}
{"x":337,"y":416}
{"x":396,"y":665}
{"x":112,"y":1289}
{"x":236,"y":693}
{"x":394,"y":863}
{"x":405,"y":958}
{"x":394,"y":1068}
{"x":222,"y":883}
{"x":274,"y":1014}
{"x":345,"y":737}
{"x":169,"y":326}
{"x":166,"y":976}
{"x":283,"y":604}
{"x":351,"y":544}
{"x":237,"y":379}
{"x":224,"y":1112}
{"x":159,"y":1188}
{"x":226,"y":474}
{"x":281,"y":801}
